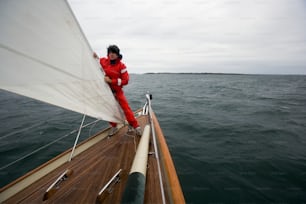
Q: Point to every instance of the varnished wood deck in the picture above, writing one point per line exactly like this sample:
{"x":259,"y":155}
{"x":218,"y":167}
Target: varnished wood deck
{"x":94,"y":167}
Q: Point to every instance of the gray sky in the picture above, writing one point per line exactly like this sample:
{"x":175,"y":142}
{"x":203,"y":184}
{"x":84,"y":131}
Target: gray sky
{"x":246,"y":36}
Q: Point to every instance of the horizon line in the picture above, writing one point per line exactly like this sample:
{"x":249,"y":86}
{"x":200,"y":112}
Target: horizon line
{"x":219,"y":73}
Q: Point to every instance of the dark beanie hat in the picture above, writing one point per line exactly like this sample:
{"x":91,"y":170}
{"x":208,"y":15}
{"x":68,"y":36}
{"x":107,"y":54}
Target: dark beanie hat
{"x":114,"y":49}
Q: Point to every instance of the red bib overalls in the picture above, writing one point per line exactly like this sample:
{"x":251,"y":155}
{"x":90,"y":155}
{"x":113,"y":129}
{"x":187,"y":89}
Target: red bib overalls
{"x":120,"y":77}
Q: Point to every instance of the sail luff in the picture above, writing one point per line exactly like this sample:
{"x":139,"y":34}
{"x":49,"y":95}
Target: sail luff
{"x":45,"y":55}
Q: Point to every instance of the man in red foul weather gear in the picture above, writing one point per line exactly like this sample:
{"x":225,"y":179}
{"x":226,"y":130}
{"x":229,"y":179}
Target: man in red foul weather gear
{"x":116,"y":76}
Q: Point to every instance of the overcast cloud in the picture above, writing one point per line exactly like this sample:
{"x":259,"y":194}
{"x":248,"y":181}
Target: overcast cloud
{"x":246,"y":36}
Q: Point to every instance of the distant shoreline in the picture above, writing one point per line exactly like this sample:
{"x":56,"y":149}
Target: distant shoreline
{"x":209,"y":73}
{"x":195,"y":73}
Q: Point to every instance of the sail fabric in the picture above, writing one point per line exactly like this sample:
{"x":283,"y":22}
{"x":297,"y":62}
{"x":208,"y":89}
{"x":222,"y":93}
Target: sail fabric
{"x":45,"y":55}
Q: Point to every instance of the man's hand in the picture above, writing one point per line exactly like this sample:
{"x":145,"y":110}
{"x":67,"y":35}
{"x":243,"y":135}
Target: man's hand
{"x":95,"y":55}
{"x":107,"y":79}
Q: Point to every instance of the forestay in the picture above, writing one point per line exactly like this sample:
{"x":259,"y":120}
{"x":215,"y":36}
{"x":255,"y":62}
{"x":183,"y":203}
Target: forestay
{"x":45,"y":55}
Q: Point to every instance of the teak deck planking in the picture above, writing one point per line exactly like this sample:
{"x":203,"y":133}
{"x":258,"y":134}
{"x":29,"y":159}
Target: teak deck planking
{"x":94,"y":167}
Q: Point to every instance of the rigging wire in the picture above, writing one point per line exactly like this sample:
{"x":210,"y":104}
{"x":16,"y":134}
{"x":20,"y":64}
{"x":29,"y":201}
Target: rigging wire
{"x":155,"y":148}
{"x":22,"y":130}
{"x":76,"y":139}
{"x":46,"y":145}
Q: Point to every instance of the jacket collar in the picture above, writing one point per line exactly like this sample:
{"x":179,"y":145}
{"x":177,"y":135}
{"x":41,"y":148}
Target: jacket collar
{"x":113,"y":62}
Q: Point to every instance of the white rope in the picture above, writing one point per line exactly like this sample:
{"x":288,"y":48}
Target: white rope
{"x":135,"y":145}
{"x":45,"y":146}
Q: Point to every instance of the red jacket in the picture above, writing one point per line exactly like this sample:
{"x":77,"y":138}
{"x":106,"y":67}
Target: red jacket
{"x":117,"y":72}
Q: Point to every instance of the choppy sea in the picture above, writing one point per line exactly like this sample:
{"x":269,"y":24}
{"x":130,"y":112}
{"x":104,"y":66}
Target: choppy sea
{"x":233,"y":138}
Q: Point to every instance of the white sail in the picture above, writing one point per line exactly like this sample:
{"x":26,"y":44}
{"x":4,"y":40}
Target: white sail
{"x":45,"y":55}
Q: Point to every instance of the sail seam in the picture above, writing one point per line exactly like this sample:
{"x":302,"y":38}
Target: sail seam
{"x":38,"y":61}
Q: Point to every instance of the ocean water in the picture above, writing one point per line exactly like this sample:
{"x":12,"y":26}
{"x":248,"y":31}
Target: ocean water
{"x":233,"y":138}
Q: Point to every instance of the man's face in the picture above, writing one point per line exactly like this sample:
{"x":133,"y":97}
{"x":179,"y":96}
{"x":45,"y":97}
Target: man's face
{"x":112,"y":56}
